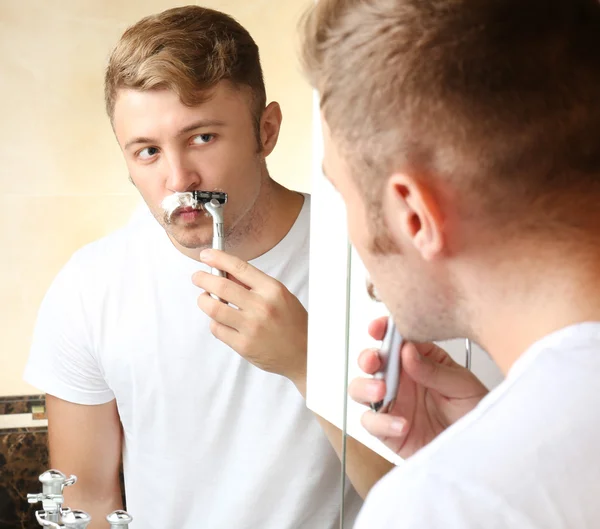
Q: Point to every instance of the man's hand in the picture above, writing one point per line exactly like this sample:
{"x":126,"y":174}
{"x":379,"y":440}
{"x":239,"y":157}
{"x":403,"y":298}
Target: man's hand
{"x":434,"y":392}
{"x":268,"y":327}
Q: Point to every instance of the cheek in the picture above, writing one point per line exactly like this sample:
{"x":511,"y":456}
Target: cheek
{"x":361,"y":238}
{"x":356,"y":219}
{"x":357,"y":231}
{"x":151,"y":188}
{"x":364,"y":230}
{"x":229,"y":166}
{"x":146,"y":181}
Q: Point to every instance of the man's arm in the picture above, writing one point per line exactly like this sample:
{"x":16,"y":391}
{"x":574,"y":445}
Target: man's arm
{"x":269,"y":329}
{"x":86,"y":441}
{"x":364,"y":467}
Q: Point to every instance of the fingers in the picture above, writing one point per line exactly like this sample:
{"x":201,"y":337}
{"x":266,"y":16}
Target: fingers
{"x":366,"y":390}
{"x":383,"y":425}
{"x":369,"y":361}
{"x":225,"y":334}
{"x":435,"y":353}
{"x":220,"y":312}
{"x":224,"y":288}
{"x":377,"y":328}
{"x":236,"y":267}
{"x":450,"y":380}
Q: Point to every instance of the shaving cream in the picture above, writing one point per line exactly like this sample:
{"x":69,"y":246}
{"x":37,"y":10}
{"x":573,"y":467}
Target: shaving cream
{"x":178,"y":200}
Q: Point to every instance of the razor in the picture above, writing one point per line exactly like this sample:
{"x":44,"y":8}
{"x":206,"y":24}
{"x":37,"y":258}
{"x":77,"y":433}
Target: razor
{"x":391,"y":365}
{"x":213,"y":202}
{"x":391,"y":360}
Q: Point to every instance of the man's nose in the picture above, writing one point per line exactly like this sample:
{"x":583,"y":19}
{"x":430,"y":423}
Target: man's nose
{"x":182,"y":176}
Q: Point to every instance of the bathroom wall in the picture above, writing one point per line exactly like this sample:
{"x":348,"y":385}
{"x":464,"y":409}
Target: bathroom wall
{"x":62,"y":180}
{"x":23,"y":457}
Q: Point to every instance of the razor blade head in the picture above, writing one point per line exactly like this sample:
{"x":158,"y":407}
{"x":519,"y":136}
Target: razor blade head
{"x":204,"y":197}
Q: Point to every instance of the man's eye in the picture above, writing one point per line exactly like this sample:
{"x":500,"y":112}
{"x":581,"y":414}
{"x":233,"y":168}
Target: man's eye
{"x":203,"y":138}
{"x":147,"y":153}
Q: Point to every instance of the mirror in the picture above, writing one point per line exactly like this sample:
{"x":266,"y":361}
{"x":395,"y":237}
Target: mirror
{"x":64,"y":185}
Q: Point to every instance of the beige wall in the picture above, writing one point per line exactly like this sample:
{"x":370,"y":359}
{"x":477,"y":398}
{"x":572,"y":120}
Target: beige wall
{"x":62,"y":180}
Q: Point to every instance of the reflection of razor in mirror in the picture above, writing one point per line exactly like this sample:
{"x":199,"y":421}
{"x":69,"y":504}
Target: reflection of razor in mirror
{"x":210,"y":201}
{"x":213,"y":203}
{"x":391,"y":363}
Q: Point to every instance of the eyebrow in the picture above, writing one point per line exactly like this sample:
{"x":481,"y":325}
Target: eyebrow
{"x":193,"y":126}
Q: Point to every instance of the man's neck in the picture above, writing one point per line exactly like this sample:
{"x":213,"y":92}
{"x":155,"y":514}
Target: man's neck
{"x":275,"y":212}
{"x":535,"y":297}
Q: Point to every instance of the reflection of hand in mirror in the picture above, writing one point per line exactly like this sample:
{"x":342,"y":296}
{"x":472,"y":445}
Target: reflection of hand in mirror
{"x":268,"y":327}
{"x":434,"y":392}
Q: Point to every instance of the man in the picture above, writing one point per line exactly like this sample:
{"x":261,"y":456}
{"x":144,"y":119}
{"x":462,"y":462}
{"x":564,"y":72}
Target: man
{"x":207,"y":410}
{"x":464,"y":138}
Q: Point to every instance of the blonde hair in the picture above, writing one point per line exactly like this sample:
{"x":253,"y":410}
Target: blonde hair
{"x":188,"y":50}
{"x":500,"y":97}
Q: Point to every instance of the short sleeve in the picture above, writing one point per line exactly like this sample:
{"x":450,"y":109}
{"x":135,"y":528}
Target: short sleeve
{"x":62,"y":361}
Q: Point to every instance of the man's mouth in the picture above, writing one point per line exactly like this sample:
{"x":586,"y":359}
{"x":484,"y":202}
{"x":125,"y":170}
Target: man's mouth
{"x":190,"y":205}
{"x":187,"y":209}
{"x":187,"y":214}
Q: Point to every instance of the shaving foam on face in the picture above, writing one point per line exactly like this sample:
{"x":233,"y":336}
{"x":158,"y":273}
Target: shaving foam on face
{"x":178,"y":200}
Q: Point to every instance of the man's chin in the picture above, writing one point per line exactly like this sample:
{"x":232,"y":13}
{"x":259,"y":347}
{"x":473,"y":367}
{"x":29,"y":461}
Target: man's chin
{"x":193,"y":246}
{"x":192,"y":243}
{"x":191,"y":239}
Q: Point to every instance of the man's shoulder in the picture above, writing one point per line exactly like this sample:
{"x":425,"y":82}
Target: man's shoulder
{"x":108,"y":248}
{"x":307,"y":201}
{"x":115,"y":248}
{"x":423,"y":498}
{"x":303,"y":220}
{"x":492,"y":454}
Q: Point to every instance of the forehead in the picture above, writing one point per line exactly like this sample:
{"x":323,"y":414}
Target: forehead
{"x":150,"y":112}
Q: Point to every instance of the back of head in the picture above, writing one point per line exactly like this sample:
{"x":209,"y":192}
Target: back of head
{"x":497,"y":98}
{"x":188,"y":50}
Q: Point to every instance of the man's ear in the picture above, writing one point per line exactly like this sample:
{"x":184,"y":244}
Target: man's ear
{"x":270,"y":125}
{"x":413,"y":214}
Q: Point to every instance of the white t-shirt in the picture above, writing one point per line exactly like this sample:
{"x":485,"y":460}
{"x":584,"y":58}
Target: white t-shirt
{"x":528,"y":457}
{"x":210,"y":440}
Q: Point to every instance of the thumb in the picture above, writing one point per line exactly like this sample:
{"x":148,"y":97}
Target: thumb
{"x":448,"y":380}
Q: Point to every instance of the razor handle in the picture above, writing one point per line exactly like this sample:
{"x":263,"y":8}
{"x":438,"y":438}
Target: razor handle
{"x":390,"y":369}
{"x":218,"y":244}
